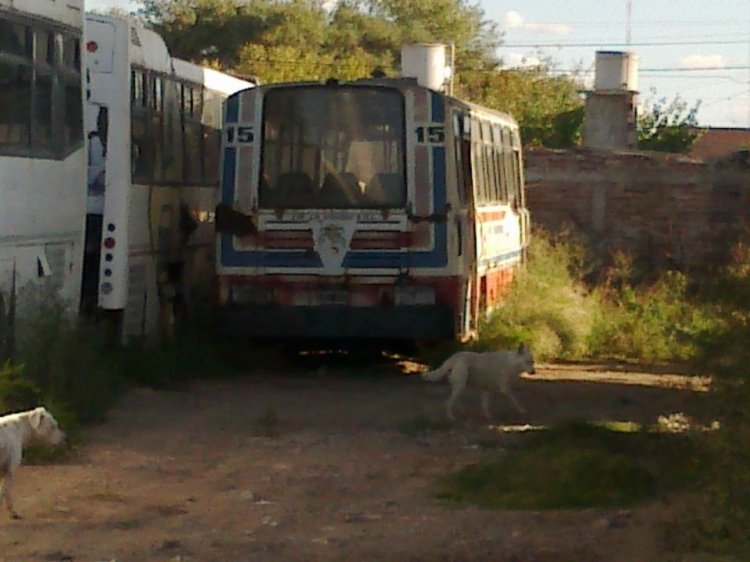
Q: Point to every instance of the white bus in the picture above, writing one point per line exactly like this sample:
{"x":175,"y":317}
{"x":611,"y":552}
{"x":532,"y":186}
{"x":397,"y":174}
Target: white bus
{"x":153,"y":127}
{"x":42,"y":153}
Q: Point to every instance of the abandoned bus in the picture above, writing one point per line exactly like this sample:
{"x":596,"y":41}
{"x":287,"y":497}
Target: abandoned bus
{"x":152,"y":125}
{"x":375,"y":208}
{"x":42,"y":153}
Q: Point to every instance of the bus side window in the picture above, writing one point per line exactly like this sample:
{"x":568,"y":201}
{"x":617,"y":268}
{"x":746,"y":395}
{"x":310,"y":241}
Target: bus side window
{"x":458,"y":154}
{"x":172,"y":147}
{"x":15,"y":101}
{"x":192,"y":134}
{"x":211,"y":139}
{"x":468,"y":182}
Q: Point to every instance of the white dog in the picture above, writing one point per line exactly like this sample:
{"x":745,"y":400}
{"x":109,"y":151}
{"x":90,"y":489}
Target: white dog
{"x":17,"y":430}
{"x":490,"y":371}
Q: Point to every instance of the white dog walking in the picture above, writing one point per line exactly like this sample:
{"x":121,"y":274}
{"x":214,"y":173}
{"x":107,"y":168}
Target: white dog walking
{"x":490,"y":371}
{"x":17,"y":430}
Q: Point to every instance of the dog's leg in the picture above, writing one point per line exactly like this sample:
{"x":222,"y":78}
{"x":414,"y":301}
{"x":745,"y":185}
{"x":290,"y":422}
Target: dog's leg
{"x":5,"y":493}
{"x":485,"y":395}
{"x":457,"y":378}
{"x":505,"y":389}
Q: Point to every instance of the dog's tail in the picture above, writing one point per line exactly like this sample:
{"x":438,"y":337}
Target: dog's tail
{"x":439,"y":373}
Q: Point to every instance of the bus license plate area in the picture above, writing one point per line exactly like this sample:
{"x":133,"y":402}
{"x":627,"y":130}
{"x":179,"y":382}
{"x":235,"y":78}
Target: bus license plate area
{"x":415,"y":296}
{"x":325,"y":297}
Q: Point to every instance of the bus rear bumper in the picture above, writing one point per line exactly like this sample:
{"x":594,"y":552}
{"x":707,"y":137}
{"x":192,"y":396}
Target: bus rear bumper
{"x":431,"y":322}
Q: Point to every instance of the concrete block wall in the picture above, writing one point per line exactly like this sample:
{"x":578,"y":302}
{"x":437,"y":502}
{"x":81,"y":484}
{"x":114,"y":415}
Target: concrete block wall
{"x":679,"y":211}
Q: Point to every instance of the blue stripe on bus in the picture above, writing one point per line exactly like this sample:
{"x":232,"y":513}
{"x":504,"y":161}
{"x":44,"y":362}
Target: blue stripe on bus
{"x":228,"y":175}
{"x":233,"y":109}
{"x":438,"y":107}
{"x":507,"y":256}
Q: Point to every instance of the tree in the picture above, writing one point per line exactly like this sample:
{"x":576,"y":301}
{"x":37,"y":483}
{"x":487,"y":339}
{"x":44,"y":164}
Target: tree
{"x":197,"y":30}
{"x":549,"y":109}
{"x":374,"y":30}
{"x":290,"y":40}
{"x":447,"y":21}
{"x":668,"y":127}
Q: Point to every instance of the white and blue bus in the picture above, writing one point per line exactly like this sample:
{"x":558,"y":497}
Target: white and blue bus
{"x":376,"y":208}
{"x":153,"y":128}
{"x":42,"y":150}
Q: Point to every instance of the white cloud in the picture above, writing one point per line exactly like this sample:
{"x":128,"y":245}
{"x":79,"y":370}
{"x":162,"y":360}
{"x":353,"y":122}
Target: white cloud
{"x":514,"y":20}
{"x":702,"y":61}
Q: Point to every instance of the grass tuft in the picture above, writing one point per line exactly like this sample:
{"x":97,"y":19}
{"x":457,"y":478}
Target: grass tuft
{"x":575,"y":465}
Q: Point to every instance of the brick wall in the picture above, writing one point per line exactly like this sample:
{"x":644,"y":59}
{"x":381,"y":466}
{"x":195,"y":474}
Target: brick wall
{"x":672,"y":209}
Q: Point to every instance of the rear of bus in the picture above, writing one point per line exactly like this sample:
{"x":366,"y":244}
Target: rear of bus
{"x":333,"y":221}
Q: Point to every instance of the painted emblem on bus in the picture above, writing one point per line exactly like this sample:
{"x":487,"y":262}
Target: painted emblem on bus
{"x":332,"y":242}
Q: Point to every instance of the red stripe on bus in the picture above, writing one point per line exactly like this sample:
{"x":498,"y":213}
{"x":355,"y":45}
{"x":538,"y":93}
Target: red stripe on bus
{"x":491,"y":215}
{"x":497,"y":284}
{"x":379,"y":240}
{"x":286,"y":239}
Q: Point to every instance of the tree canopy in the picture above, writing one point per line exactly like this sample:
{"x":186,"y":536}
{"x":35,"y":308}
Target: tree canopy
{"x":289,"y":40}
{"x":668,"y":126}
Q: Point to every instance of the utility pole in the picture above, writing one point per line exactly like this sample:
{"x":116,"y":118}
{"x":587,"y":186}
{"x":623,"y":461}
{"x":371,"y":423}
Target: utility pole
{"x":629,"y":19}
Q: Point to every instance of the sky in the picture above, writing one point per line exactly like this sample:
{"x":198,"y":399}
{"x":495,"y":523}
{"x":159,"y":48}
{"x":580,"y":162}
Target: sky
{"x":698,"y":50}
{"x":694,"y":49}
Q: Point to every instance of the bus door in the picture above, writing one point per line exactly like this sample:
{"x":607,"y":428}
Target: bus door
{"x":97,"y":127}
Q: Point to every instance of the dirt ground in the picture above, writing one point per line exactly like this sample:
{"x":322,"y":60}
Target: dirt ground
{"x":315,"y":465}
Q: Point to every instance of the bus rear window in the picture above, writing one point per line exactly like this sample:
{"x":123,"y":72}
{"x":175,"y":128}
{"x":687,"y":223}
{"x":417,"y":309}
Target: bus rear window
{"x":333,"y":147}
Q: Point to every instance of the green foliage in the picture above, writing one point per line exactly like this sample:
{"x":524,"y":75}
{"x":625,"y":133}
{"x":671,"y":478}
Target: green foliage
{"x":576,"y":465}
{"x":60,"y":360}
{"x":363,"y":34}
{"x":16,"y":392}
{"x":719,"y":513}
{"x":548,"y":306}
{"x":661,"y":321}
{"x":555,"y":307}
{"x":296,"y":40}
{"x":549,"y":109}
{"x":173,"y":363}
{"x":668,"y":127}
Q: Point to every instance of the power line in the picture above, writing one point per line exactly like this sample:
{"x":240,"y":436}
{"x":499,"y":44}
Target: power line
{"x":726,"y":98}
{"x":665,"y":69}
{"x":609,"y":44}
{"x":618,"y":23}
{"x":694,"y":69}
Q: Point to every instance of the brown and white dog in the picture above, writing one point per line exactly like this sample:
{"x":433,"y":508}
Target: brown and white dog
{"x":16,"y":431}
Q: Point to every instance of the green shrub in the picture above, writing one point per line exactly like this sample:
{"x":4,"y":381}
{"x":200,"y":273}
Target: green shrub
{"x":718,"y":518}
{"x":173,"y":362}
{"x":16,"y":391}
{"x":549,"y":306}
{"x":659,"y":322}
{"x":554,"y":306}
{"x":60,"y":361}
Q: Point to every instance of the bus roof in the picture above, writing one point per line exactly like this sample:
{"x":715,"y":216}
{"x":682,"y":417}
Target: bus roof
{"x":403,"y":83}
{"x":210,"y":78}
{"x":67,"y":13}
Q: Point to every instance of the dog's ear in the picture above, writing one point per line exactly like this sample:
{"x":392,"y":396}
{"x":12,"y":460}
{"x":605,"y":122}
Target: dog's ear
{"x":37,"y":415}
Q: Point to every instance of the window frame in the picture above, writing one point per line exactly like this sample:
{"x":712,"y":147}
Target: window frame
{"x":50,"y":140}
